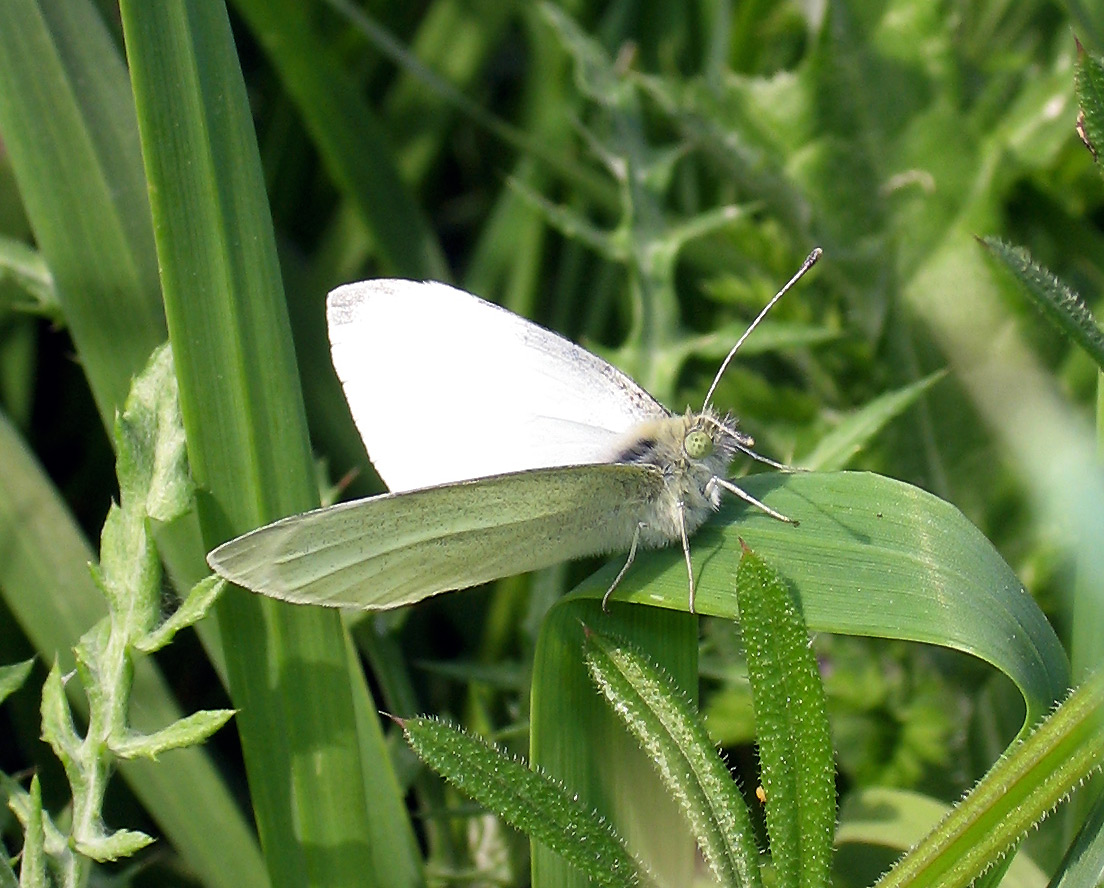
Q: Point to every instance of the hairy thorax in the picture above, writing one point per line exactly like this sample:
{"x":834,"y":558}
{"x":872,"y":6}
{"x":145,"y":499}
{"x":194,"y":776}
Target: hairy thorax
{"x":690,"y":450}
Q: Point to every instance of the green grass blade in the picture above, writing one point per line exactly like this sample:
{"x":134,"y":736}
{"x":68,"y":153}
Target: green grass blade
{"x":871,"y":556}
{"x":1017,"y":793}
{"x":791,"y":727}
{"x":350,"y":138}
{"x":80,"y":180}
{"x":838,"y":447}
{"x":896,"y":820}
{"x":1083,"y":863}
{"x":82,"y":153}
{"x":247,"y":442}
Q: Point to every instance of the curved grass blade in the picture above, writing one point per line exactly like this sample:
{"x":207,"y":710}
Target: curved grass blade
{"x":871,"y":556}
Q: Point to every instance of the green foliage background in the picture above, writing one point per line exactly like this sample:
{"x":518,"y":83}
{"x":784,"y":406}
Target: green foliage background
{"x":479,"y":142}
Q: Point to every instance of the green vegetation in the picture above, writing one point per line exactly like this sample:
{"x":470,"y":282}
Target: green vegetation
{"x":641,"y":177}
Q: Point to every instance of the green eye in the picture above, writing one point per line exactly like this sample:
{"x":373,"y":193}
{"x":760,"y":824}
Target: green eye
{"x":698,"y":444}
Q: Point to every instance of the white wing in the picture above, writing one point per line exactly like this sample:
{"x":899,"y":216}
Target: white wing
{"x":444,"y":386}
{"x":398,"y":548}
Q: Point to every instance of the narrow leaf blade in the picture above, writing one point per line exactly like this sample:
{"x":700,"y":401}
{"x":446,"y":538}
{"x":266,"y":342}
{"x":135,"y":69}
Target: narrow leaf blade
{"x":1060,"y":305}
{"x":795,"y":747}
{"x":527,"y":799}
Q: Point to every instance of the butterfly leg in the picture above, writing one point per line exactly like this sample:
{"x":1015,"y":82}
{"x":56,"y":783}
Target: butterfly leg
{"x":628,"y":561}
{"x":686,"y":552}
{"x":748,"y":498}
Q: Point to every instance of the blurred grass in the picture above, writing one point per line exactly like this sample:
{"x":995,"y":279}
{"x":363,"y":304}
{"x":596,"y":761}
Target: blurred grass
{"x":890,"y":135}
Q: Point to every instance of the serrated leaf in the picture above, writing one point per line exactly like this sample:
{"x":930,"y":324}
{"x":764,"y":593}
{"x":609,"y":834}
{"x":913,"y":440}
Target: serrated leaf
{"x":152,"y":467}
{"x":700,"y":225}
{"x":90,"y":651}
{"x":1058,"y":303}
{"x":57,"y":721}
{"x":791,"y":721}
{"x":149,"y":441}
{"x":194,"y":608}
{"x":14,"y":797}
{"x":13,"y":676}
{"x":188,"y":731}
{"x":170,"y":489}
{"x":529,"y":800}
{"x":21,"y":804}
{"x":674,"y":736}
{"x":595,"y":75}
{"x":121,"y":843}
{"x":573,"y":225}
{"x":834,"y":450}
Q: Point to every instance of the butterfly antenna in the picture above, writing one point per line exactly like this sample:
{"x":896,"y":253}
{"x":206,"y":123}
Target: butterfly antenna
{"x":766,"y":460}
{"x":810,"y":261}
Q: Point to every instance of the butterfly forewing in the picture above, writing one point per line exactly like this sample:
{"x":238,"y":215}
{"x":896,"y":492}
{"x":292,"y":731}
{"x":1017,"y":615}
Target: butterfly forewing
{"x":491,"y":392}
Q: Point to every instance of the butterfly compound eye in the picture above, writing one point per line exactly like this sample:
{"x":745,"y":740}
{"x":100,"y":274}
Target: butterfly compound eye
{"x":697,"y":444}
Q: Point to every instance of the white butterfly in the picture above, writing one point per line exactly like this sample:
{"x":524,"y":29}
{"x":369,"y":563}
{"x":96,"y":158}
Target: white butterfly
{"x":506,"y":448}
